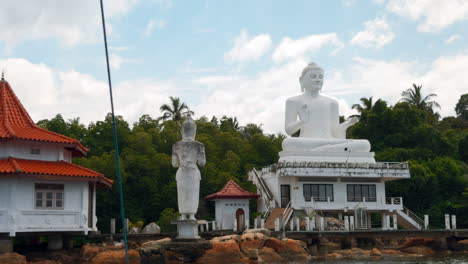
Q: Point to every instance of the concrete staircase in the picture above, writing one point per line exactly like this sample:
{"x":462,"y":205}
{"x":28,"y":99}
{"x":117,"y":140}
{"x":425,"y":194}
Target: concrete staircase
{"x":409,"y":220}
{"x":276,"y":213}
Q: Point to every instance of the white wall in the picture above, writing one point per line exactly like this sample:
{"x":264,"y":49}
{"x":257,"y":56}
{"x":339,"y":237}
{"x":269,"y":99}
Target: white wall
{"x":22,"y":149}
{"x":19,"y":214}
{"x":226,"y":211}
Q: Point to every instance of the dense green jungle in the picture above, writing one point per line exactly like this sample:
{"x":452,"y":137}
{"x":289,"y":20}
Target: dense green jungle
{"x":409,"y":130}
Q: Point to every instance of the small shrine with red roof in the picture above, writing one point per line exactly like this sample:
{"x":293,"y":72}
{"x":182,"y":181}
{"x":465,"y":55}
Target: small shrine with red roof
{"x":41,"y":190}
{"x":232,"y":206}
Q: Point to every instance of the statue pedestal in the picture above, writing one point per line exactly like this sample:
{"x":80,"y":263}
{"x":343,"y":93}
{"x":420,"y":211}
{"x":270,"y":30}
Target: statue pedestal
{"x":188,"y":229}
{"x":325,"y":156}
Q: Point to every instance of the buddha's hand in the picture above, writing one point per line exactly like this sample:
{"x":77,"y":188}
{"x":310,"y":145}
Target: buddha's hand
{"x":304,"y":114}
{"x":352,"y":121}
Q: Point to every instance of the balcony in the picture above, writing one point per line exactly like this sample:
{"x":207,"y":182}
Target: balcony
{"x":345,"y":204}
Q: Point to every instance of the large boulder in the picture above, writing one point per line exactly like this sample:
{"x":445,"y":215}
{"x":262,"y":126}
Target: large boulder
{"x":264,"y":231}
{"x":268,"y":255}
{"x":418,"y":241}
{"x":289,"y":249}
{"x":224,"y":250}
{"x":88,"y":251}
{"x":151,"y":228}
{"x":116,"y":257}
{"x":419,"y":250}
{"x":150,"y":252}
{"x":391,"y":252}
{"x":226,"y":238}
{"x":12,"y":258}
{"x":461,"y":245}
{"x":46,"y":262}
{"x":252,"y":241}
{"x":375,"y":253}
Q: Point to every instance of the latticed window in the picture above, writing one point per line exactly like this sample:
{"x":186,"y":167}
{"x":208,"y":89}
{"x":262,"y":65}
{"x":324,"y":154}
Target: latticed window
{"x":48,"y":196}
{"x":318,"y":192}
{"x":356,"y":192}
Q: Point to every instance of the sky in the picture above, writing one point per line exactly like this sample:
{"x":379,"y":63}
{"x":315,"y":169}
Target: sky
{"x":234,"y":58}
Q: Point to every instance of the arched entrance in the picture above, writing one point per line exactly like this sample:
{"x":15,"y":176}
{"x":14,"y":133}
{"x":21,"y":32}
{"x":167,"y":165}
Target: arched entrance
{"x":240,"y":217}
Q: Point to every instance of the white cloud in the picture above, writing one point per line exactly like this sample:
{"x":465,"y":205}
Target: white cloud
{"x":248,"y":49}
{"x":377,"y":33}
{"x":431,"y":15}
{"x":70,"y":22}
{"x":452,"y":39}
{"x":296,"y":48}
{"x":348,"y":2}
{"x":154,"y":24}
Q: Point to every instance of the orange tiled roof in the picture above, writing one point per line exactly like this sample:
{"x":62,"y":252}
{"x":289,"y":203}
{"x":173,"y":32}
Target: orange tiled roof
{"x":54,"y":168}
{"x":232,"y":191}
{"x":15,"y":122}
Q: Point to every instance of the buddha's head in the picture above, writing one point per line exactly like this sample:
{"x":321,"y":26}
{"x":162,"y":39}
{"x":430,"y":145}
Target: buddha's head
{"x":311,"y":78}
{"x":189,"y":128}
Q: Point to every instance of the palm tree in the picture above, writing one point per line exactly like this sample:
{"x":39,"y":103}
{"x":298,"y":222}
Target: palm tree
{"x":413,"y":96}
{"x":175,"y":110}
{"x":367,"y":105}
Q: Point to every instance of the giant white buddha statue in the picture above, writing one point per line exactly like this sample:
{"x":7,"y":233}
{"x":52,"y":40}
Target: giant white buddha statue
{"x":321,"y":135}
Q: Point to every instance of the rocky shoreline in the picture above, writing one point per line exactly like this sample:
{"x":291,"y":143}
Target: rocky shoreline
{"x":253,"y":246}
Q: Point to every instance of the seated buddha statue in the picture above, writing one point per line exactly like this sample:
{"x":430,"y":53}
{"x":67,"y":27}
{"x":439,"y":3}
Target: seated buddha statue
{"x":316,"y":118}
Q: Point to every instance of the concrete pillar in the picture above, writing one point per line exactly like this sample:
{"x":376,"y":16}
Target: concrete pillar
{"x":54,"y":242}
{"x":307,"y":221}
{"x":291,"y":225}
{"x":369,"y":220}
{"x":247,"y":222}
{"x":384,"y":221}
{"x":234,"y":225}
{"x":454,"y":222}
{"x":426,"y":221}
{"x":351,"y":222}
{"x":395,"y":222}
{"x":447,"y":221}
{"x":388,"y":227}
{"x":127,"y":224}
{"x":340,"y":216}
{"x":298,"y":224}
{"x":6,"y":245}
{"x":312,"y":224}
{"x":262,"y":223}
{"x":346,"y":222}
{"x":112,"y":226}
{"x":255,"y":222}
{"x":277,"y":224}
{"x":213,"y":225}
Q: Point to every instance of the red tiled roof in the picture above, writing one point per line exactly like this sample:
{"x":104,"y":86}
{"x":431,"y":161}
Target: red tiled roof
{"x":53,"y":168}
{"x":232,"y":191}
{"x":15,"y":122}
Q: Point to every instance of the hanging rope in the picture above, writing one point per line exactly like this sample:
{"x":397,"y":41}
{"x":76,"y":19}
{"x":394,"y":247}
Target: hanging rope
{"x":116,"y":143}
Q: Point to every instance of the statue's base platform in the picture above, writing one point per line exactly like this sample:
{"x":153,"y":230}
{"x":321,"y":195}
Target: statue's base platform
{"x":188,"y":229}
{"x":324,"y":156}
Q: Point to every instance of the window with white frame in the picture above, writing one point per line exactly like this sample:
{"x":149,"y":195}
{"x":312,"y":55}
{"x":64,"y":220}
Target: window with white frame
{"x":48,"y":196}
{"x":318,"y":192}
{"x":359,"y":192}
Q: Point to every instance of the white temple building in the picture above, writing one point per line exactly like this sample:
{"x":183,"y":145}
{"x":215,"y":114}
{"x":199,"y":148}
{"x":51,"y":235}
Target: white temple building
{"x":323,"y":173}
{"x":41,"y":190}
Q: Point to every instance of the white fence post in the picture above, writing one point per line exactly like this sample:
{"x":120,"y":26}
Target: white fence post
{"x":277,"y":224}
{"x":262,"y":223}
{"x":291,"y":225}
{"x":234,"y":225}
{"x":213,"y":225}
{"x":112,"y":226}
{"x":454,"y":222}
{"x":447,"y":221}
{"x":351,"y":222}
{"x":426,"y":221}
{"x":313,"y":226}
{"x":395,"y":222}
{"x":298,"y":224}
{"x":322,"y":223}
{"x":388,"y":227}
{"x":255,"y":222}
{"x":346,"y":223}
{"x":307,"y":221}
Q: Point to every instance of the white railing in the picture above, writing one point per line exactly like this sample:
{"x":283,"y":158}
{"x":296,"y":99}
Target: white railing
{"x":265,"y":192}
{"x":413,"y":216}
{"x":394,"y":200}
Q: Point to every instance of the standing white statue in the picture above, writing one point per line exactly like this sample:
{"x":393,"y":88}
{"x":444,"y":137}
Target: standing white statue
{"x":316,"y":118}
{"x":186,"y":154}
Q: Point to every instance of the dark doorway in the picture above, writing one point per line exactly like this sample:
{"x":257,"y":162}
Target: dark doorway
{"x":240,"y":217}
{"x":285,"y":195}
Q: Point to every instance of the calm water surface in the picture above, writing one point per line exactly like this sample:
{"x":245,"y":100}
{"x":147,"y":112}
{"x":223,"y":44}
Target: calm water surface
{"x":452,"y":259}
